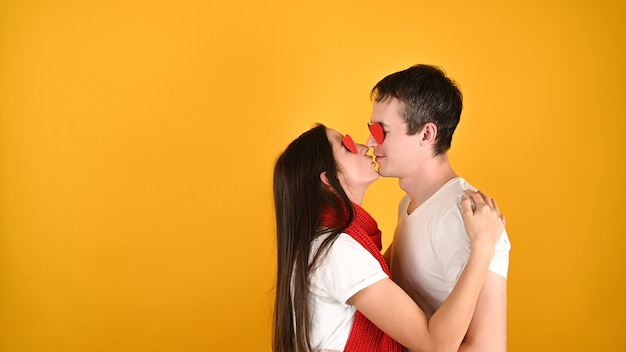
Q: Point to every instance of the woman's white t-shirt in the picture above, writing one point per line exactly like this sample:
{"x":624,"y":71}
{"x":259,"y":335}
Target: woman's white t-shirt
{"x":346,"y":269}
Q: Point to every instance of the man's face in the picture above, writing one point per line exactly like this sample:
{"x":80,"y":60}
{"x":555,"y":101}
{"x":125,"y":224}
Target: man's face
{"x":397,"y":155}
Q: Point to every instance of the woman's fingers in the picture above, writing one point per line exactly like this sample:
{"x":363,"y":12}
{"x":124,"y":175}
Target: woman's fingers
{"x":495,"y":205}
{"x":477,"y":199}
{"x":488,"y":201}
{"x":467,"y":206}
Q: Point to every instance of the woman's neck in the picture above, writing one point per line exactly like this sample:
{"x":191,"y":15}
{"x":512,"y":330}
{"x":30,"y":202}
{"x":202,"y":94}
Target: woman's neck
{"x":356,"y":194}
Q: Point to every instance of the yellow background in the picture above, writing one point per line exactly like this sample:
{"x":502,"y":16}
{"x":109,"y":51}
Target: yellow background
{"x":137,"y":141}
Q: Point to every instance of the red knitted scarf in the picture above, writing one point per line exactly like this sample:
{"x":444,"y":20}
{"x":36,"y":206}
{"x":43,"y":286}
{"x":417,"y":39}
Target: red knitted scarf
{"x":364,"y":336}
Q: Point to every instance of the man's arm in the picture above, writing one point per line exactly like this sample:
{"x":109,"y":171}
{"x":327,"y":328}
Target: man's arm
{"x":487,"y":331}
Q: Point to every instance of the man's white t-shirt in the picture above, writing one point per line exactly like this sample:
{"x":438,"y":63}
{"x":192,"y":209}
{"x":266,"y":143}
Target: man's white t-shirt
{"x":347,"y":268}
{"x":430,"y":247}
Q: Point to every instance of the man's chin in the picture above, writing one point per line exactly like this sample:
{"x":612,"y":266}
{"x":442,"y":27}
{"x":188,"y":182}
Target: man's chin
{"x":382,"y":173}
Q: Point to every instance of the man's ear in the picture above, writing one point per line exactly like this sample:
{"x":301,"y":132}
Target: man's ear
{"x":324,"y":178}
{"x":429,"y":134}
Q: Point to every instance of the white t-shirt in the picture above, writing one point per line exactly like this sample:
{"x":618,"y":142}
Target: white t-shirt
{"x":430,"y":247}
{"x":346,"y":269}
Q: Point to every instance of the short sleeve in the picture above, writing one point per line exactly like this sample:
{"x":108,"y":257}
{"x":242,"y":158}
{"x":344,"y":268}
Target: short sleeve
{"x":347,"y":269}
{"x":500,"y":262}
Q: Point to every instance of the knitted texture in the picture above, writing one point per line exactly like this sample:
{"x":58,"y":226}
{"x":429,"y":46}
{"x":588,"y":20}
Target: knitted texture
{"x":364,"y":336}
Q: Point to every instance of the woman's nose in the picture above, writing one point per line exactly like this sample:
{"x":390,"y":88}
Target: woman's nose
{"x":371,"y":141}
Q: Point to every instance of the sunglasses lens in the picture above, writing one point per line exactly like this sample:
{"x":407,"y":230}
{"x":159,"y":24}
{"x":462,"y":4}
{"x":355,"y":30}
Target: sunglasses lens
{"x":349,"y":143}
{"x":376,"y":130}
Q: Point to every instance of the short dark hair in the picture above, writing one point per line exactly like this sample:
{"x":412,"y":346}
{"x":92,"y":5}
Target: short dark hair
{"x":426,"y":95}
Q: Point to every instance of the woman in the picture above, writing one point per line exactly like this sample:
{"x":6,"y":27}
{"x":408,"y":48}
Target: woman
{"x":333,"y":288}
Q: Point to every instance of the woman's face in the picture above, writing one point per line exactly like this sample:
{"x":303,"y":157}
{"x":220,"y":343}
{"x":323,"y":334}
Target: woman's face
{"x":356,"y":171}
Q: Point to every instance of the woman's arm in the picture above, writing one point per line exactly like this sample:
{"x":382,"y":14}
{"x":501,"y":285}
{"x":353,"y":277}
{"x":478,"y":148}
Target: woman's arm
{"x":393,"y":311}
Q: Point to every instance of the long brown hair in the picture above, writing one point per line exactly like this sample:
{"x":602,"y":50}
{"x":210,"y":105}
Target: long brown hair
{"x":299,"y":195}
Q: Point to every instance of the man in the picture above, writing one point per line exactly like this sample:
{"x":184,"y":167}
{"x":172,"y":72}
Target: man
{"x":414,"y":115}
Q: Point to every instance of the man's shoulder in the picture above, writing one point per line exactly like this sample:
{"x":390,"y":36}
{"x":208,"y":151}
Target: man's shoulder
{"x":459,"y":184}
{"x":448,"y":198}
